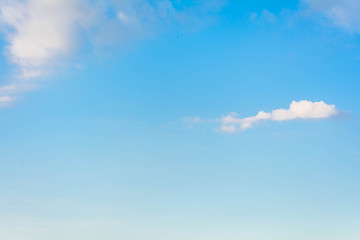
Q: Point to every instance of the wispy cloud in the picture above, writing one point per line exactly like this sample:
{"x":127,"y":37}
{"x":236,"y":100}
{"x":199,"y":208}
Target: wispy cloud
{"x":264,"y":16}
{"x":43,"y":34}
{"x":297,"y":110}
{"x":17,"y":87}
{"x":189,"y":122}
{"x":344,"y":14}
{"x":6,"y":100}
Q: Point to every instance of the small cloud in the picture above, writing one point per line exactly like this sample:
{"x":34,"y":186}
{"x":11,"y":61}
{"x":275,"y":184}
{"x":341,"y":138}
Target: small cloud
{"x":17,"y":87}
{"x":6,"y":101}
{"x":297,"y":110}
{"x":265,"y":16}
{"x":189,"y":122}
{"x":344,"y":14}
{"x":123,"y":17}
{"x":7,"y":92}
{"x":192,"y":120}
{"x":228,"y":128}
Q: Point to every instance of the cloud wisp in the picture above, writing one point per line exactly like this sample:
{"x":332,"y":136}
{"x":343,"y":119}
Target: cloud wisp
{"x":41,"y":35}
{"x":5,"y":100}
{"x":344,"y":14}
{"x":297,"y":110}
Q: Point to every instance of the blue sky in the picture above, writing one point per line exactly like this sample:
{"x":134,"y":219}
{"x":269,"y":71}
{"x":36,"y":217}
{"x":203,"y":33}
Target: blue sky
{"x":175,"y":120}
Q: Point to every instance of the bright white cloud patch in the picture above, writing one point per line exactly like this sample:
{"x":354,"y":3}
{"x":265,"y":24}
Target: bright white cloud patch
{"x":39,"y":32}
{"x":343,"y":13}
{"x":42,"y":34}
{"x":39,"y":35}
{"x":297,"y":110}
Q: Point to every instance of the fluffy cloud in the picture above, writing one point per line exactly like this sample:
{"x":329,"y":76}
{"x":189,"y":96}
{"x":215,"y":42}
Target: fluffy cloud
{"x":42,"y":34}
{"x":343,"y":13}
{"x":39,"y":32}
{"x":297,"y":110}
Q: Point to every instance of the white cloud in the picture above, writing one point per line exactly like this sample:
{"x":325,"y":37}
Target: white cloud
{"x":42,"y":34}
{"x":189,"y":122}
{"x":265,"y":16}
{"x":6,"y":101}
{"x":192,"y":120}
{"x":297,"y":110}
{"x":17,"y":87}
{"x":343,"y":13}
{"x":39,"y":35}
{"x":124,"y":17}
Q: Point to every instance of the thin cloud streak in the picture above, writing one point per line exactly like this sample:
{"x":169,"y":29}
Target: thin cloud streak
{"x":5,"y":101}
{"x":297,"y":110}
{"x":345,"y":14}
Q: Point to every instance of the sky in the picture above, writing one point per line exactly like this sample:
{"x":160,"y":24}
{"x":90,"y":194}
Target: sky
{"x":197,"y":120}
